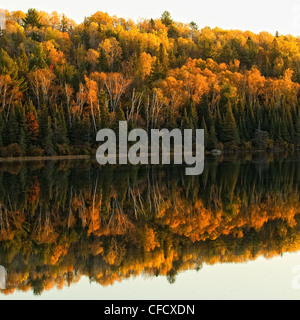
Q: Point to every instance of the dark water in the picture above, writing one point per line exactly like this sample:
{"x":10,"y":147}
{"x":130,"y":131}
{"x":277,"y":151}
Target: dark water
{"x":61,"y":222}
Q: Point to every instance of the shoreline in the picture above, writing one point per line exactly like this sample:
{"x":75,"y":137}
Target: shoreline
{"x":89,"y":157}
{"x":45,"y":158}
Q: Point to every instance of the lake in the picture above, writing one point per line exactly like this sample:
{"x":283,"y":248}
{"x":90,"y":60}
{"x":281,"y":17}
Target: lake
{"x":75,"y":230}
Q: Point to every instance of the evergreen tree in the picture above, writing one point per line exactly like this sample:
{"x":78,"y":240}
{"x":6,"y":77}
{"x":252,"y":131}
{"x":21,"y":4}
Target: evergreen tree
{"x":32,"y":19}
{"x":60,"y":127}
{"x":212,"y":139}
{"x":229,"y":130}
{"x":172,"y":124}
{"x":193,"y":115}
{"x":297,"y":132}
{"x":166,"y":19}
{"x":11,"y":128}
{"x":284,"y":130}
{"x":251,"y":52}
{"x":102,"y":62}
{"x":23,"y":62}
{"x":105,"y":118}
{"x":38,"y":58}
{"x":24,"y":136}
{"x":47,"y":139}
{"x":45,"y":132}
{"x":157,"y":71}
{"x":8,"y":65}
{"x":119,"y":116}
{"x":204,"y":127}
{"x":186,"y":121}
{"x":64,"y":24}
{"x":163,"y":59}
{"x":218,"y":125}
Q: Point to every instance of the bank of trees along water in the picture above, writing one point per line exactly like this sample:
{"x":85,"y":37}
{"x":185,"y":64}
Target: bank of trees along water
{"x":60,"y":82}
{"x":61,"y":221}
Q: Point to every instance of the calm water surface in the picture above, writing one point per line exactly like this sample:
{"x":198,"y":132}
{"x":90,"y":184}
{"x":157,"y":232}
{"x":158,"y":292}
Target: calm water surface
{"x":72,"y":230}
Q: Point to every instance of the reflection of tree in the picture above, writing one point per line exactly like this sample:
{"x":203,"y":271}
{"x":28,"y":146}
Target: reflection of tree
{"x":113,"y":224}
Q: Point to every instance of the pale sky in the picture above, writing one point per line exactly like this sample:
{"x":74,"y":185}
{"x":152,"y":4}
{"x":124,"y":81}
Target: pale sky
{"x":254,"y":15}
{"x":263,"y":279}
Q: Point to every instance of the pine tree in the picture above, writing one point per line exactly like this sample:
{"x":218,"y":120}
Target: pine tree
{"x":212,"y":139}
{"x":1,"y":131}
{"x":64,"y":24}
{"x":119,"y":116}
{"x":45,"y":132}
{"x":193,"y":115}
{"x":23,"y":63}
{"x":186,"y":121}
{"x":157,"y":71}
{"x":218,"y":125}
{"x":38,"y":58}
{"x":297,"y":132}
{"x":23,"y":140}
{"x":172,"y":124}
{"x":11,"y":128}
{"x":229,"y":131}
{"x":8,"y":65}
{"x":105,"y":118}
{"x":47,"y":140}
{"x":24,"y":136}
{"x":284,"y":130}
{"x":204,"y":127}
{"x":250,"y":54}
{"x":32,"y":19}
{"x":102,"y":61}
{"x":166,"y":19}
{"x":60,"y":127}
{"x":163,"y":59}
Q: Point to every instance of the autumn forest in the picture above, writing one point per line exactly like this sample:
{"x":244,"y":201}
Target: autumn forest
{"x":60,"y":82}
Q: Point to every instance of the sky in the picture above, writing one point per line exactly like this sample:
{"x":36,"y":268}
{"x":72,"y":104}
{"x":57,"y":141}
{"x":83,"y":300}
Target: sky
{"x":262,"y":279}
{"x":254,"y":15}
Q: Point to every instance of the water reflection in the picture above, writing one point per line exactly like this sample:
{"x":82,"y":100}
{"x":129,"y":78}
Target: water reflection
{"x":62,"y":220}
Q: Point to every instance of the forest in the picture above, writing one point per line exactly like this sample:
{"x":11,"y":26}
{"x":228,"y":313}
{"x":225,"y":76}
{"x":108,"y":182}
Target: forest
{"x":61,"y":82}
{"x":61,"y":221}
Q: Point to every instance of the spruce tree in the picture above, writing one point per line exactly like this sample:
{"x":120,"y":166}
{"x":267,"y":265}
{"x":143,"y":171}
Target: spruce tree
{"x":185,"y":121}
{"x":204,"y":127}
{"x":45,"y":132}
{"x":172,"y":124}
{"x":7,"y":65}
{"x":193,"y":115}
{"x":297,"y":132}
{"x":163,"y":59}
{"x":23,"y":63}
{"x":104,"y":111}
{"x":47,"y":140}
{"x":229,"y":130}
{"x":60,"y":127}
{"x":11,"y":128}
{"x":212,"y":139}
{"x":102,"y":61}
{"x":32,"y":19}
{"x":166,"y":19}
{"x":119,"y":116}
{"x":157,"y":71}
